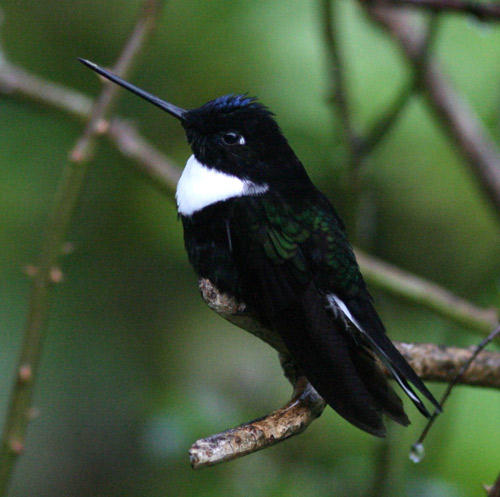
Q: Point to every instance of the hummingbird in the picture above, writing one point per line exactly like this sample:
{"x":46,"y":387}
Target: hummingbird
{"x":257,"y":227}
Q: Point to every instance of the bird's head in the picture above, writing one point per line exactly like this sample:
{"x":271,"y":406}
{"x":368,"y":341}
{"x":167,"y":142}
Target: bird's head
{"x":234,"y":134}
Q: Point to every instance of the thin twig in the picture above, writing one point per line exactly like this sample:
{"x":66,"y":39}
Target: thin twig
{"x":381,"y":475}
{"x":386,"y":120}
{"x":481,"y":10}
{"x":417,"y":446}
{"x":15,"y":80}
{"x":340,"y":97}
{"x":83,"y":147}
{"x":459,"y":120}
{"x":47,"y":273}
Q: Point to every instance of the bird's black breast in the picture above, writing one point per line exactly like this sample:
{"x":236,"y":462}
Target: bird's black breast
{"x":207,"y":238}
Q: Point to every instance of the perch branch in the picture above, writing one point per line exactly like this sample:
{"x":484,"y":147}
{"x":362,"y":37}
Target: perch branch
{"x":259,"y":434}
{"x":19,"y":407}
{"x":431,"y":362}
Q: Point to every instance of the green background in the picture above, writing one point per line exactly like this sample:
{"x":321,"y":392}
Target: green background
{"x":135,"y":367}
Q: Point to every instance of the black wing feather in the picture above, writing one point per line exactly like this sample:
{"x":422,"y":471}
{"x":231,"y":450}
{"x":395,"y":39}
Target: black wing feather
{"x":291,"y":270}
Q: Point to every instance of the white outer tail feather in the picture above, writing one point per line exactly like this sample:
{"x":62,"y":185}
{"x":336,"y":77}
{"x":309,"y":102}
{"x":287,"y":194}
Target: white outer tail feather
{"x":336,"y":304}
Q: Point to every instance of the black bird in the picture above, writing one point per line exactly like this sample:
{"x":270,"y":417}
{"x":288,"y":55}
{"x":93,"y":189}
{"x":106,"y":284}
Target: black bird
{"x":257,"y":228}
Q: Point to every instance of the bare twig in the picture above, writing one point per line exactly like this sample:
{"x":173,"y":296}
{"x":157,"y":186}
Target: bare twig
{"x":472,"y":139}
{"x":417,"y":446}
{"x":103,"y":104}
{"x":18,"y":414}
{"x":481,"y":10}
{"x":15,"y":80}
{"x":387,"y":119}
{"x":382,"y":475}
{"x":340,"y":97}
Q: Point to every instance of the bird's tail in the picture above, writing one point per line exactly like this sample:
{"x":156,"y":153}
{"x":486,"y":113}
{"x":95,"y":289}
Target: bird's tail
{"x":343,"y":372}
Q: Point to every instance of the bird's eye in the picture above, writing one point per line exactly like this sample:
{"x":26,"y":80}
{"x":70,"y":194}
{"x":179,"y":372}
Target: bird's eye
{"x":233,"y":138}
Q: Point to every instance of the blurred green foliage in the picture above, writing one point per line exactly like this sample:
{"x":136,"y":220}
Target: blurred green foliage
{"x":135,"y":367}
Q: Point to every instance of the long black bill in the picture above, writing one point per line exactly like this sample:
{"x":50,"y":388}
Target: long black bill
{"x":170,"y":108}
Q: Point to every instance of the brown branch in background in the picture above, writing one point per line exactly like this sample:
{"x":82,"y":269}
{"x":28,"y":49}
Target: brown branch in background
{"x":149,"y":160}
{"x":481,"y":10}
{"x":361,"y":145}
{"x":336,"y":66}
{"x":83,"y":147}
{"x":385,"y":121}
{"x":19,"y":407}
{"x":459,"y":120}
{"x":399,"y":283}
{"x":15,"y":80}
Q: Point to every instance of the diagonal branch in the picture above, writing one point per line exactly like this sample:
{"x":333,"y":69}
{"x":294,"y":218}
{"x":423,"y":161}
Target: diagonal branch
{"x":399,"y":283}
{"x":18,"y":414}
{"x":458,"y":119}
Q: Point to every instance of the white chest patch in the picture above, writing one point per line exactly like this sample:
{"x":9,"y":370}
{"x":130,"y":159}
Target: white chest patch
{"x":200,"y":186}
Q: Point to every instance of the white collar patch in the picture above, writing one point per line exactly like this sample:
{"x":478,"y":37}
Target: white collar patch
{"x":201,"y":186}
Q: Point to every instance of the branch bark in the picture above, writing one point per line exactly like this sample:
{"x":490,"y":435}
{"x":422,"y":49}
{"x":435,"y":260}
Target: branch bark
{"x":430,"y":361}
